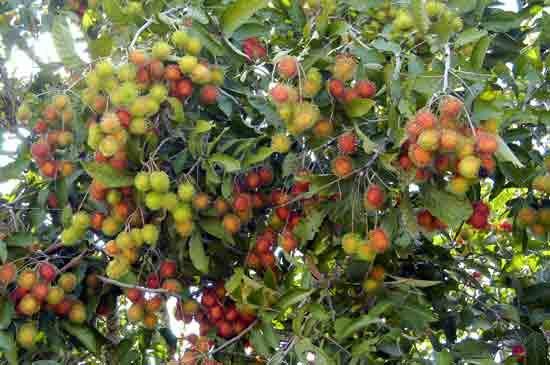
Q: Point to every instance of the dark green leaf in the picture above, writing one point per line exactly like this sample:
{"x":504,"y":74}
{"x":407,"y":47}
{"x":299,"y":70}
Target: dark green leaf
{"x":6,"y":314}
{"x":229,"y":163}
{"x":294,"y":296}
{"x":257,"y":156}
{"x":84,"y":334}
{"x":13,"y":170}
{"x":536,"y":349}
{"x":215,"y":228}
{"x":309,"y":225}
{"x":8,"y":347}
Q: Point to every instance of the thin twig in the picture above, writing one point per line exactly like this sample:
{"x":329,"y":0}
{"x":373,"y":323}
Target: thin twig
{"x":235,"y":339}
{"x":142,"y":288}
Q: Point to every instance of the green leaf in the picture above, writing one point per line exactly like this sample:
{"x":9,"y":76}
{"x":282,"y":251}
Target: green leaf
{"x":368,"y":145}
{"x":113,"y":10}
{"x":66,"y":215}
{"x":238,"y":13}
{"x":536,"y":349}
{"x":290,"y":164}
{"x":8,"y":347}
{"x":414,"y":316}
{"x":64,"y":43}
{"x":3,"y":251}
{"x":259,"y":342}
{"x":197,"y":254}
{"x":479,"y":52}
{"x":229,"y":163}
{"x":258,"y":156}
{"x":107,"y":175}
{"x":20,"y":239}
{"x":443,"y":358}
{"x":215,"y":228}
{"x":6,"y":314}
{"x":208,"y":40}
{"x":447,"y":207}
{"x":101,"y":47}
{"x":293,"y":296}
{"x":235,"y":280}
{"x":412,"y":282}
{"x":309,"y":225}
{"x":46,"y":362}
{"x":178,"y":115}
{"x":505,"y":154}
{"x":470,"y":35}
{"x":304,"y":346}
{"x":13,"y":170}
{"x":343,"y":332}
{"x":202,"y":126}
{"x":358,"y":107}
{"x":84,"y":334}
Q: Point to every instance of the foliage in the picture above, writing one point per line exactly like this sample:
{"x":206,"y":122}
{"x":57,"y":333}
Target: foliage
{"x":316,"y":181}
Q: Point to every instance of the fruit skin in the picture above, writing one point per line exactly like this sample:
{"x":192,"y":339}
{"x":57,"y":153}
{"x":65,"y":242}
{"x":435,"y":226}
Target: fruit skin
{"x":280,"y":143}
{"x":160,"y":181}
{"x":55,"y":295}
{"x":67,"y":282}
{"x":336,"y":88}
{"x":378,"y":239}
{"x":342,"y":166}
{"x":231,"y":223}
{"x":254,"y":48}
{"x":351,"y":243}
{"x":344,"y":67}
{"x":26,"y":335}
{"x":347,"y":143}
{"x":279,"y":93}
{"x":486,"y":143}
{"x":136,"y":312}
{"x":429,"y":139}
{"x":469,"y":167}
{"x":28,"y":305}
{"x":374,"y":197}
{"x":8,"y":273}
{"x":287,"y":67}
{"x":420,"y":157}
{"x":209,"y":94}
{"x":40,"y":291}
{"x":458,"y":185}
{"x":77,"y":314}
{"x":27,"y":279}
{"x":168,"y":269}
{"x":365,"y":88}
{"x":526,"y":216}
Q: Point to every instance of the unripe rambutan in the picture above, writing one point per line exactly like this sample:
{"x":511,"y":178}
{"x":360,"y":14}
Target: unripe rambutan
{"x":344,"y":67}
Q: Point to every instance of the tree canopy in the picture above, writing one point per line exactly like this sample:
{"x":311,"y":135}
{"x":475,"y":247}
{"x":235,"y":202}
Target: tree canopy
{"x":274,"y":182}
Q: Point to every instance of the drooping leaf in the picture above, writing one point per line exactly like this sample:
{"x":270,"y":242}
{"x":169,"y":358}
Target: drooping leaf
{"x":197,"y":253}
{"x":229,"y":163}
{"x":257,"y":156}
{"x":178,"y":115}
{"x":470,"y":35}
{"x":84,"y":334}
{"x":107,"y":175}
{"x":6,"y":314}
{"x":8,"y":347}
{"x":64,"y":43}
{"x":294,"y":296}
{"x":309,"y":225}
{"x":505,"y":154}
{"x":238,"y":13}
{"x":479,"y":52}
{"x":359,"y":107}
{"x":447,"y":207}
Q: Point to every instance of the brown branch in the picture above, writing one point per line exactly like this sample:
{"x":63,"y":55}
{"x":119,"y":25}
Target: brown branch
{"x":74,"y":261}
{"x":138,"y":287}
{"x":235,"y":339}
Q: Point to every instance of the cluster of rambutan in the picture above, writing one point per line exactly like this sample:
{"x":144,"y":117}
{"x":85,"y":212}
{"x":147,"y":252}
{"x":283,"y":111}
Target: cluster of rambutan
{"x":294,"y":104}
{"x":445,"y":147}
{"x":247,"y":197}
{"x":53,"y":130}
{"x":145,"y":306}
{"x":376,"y":242}
{"x":120,"y":203}
{"x":480,"y":216}
{"x":262,"y":256}
{"x":342,"y":86}
{"x":34,"y":291}
{"x":215,"y":311}
{"x":536,"y":218}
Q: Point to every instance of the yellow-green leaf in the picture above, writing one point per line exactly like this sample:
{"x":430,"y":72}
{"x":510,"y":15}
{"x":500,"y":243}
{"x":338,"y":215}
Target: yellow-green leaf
{"x":238,"y":12}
